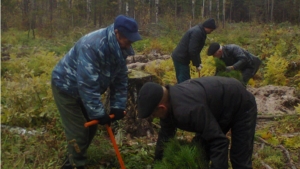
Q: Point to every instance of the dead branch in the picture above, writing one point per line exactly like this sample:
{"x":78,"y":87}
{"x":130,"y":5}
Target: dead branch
{"x":284,"y":150}
{"x":266,"y":165}
{"x":264,"y":141}
{"x":158,"y":126}
{"x":261,"y":161}
{"x":269,"y":117}
{"x":290,"y":134}
{"x":287,"y":155}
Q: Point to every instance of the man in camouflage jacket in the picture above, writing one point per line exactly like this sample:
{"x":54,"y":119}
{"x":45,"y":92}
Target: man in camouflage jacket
{"x":96,"y":62}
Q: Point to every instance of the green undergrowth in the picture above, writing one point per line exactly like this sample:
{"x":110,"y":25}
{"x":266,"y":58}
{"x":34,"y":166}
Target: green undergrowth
{"x":281,"y":132}
{"x":179,"y":153}
{"x":47,"y":149}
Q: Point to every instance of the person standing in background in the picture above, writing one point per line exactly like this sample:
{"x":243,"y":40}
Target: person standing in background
{"x":189,"y":49}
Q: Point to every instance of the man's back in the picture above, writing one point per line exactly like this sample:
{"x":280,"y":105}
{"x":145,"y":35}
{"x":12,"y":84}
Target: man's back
{"x":190,"y":45}
{"x":220,"y":96}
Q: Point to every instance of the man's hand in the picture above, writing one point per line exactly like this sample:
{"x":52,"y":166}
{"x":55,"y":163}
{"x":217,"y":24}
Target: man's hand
{"x":229,"y":68}
{"x":199,"y":68}
{"x":119,"y":113}
{"x":104,"y":120}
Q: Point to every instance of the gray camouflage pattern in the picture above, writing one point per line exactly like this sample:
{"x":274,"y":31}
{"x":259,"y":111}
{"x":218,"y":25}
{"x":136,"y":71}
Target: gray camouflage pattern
{"x":94,"y":64}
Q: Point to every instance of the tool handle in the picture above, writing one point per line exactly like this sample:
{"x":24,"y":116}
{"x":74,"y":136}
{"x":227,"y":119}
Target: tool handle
{"x":94,"y":122}
{"x":112,"y":138}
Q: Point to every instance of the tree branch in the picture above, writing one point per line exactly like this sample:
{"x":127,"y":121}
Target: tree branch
{"x":284,"y":150}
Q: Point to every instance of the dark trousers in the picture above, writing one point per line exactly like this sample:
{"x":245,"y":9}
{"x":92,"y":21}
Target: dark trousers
{"x":73,"y":116}
{"x":242,"y":138}
{"x":250,"y":72}
{"x":182,"y":71}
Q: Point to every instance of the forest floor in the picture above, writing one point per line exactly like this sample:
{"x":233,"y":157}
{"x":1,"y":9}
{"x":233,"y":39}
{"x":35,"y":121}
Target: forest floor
{"x":277,"y":141}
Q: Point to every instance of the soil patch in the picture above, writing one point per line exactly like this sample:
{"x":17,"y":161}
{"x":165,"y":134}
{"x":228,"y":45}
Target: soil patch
{"x":275,"y":100}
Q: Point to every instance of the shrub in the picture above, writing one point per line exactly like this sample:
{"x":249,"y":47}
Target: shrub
{"x":26,"y":91}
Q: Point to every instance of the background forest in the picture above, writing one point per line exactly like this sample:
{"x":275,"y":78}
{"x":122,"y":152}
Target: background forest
{"x":35,"y":35}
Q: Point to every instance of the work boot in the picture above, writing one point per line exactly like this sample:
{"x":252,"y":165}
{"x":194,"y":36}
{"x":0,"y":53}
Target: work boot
{"x":81,"y":167}
{"x":66,"y":164}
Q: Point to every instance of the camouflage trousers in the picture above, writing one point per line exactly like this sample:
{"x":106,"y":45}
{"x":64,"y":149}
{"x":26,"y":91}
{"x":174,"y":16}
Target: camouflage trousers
{"x":73,"y":116}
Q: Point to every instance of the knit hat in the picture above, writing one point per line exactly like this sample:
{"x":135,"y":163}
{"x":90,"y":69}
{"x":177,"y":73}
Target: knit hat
{"x":209,"y":23}
{"x":148,"y":99}
{"x":213,"y":48}
{"x":128,"y":27}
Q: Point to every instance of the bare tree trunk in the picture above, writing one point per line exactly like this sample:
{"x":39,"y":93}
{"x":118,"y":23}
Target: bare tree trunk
{"x":51,"y":16}
{"x":249,"y":15}
{"x":88,"y":10}
{"x":193,"y":9}
{"x":175,"y":11}
{"x":230,"y":12}
{"x":32,"y":19}
{"x":127,"y":8}
{"x":156,"y":10}
{"x":298,"y":24}
{"x":72,"y":14}
{"x":272,"y":9}
{"x":150,"y":11}
{"x":100,"y":18}
{"x":210,"y":4}
{"x":132,"y":11}
{"x":95,"y":12}
{"x":29,"y":18}
{"x":268,"y":11}
{"x":265,"y":10}
{"x":224,"y":2}
{"x":218,"y":10}
{"x":25,"y":11}
{"x":120,"y":6}
{"x":203,"y":5}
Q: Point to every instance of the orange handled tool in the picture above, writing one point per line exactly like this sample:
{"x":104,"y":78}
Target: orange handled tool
{"x":112,"y":138}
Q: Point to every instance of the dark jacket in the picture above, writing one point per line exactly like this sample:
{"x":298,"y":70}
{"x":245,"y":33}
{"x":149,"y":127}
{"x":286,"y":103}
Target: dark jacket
{"x":207,"y":106}
{"x":239,"y":58}
{"x":190,"y":46}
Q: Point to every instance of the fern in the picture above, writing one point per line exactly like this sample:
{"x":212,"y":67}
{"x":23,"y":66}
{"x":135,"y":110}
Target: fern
{"x":208,"y":69}
{"x":165,"y":70}
{"x":274,"y":71}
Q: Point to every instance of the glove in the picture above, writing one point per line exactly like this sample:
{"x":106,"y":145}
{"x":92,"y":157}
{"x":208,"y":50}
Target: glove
{"x":229,"y":68}
{"x":104,"y":120}
{"x":119,"y":113}
{"x":199,"y":68}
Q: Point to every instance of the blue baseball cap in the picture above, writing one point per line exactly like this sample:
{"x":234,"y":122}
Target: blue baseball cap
{"x":128,"y":27}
